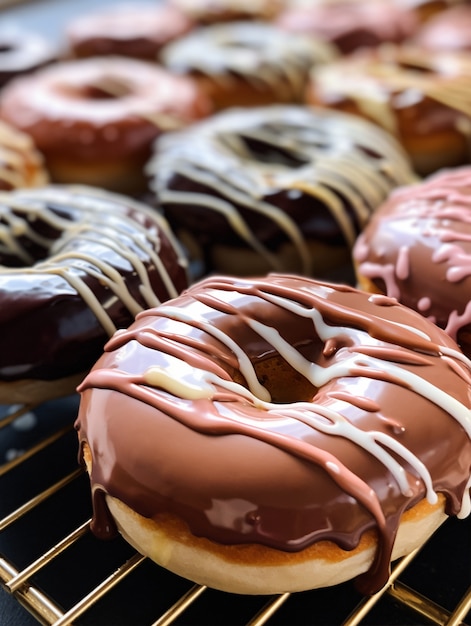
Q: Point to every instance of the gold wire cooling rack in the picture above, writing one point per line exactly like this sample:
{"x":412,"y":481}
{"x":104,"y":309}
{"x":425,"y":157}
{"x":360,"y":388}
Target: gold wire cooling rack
{"x":52,"y":565}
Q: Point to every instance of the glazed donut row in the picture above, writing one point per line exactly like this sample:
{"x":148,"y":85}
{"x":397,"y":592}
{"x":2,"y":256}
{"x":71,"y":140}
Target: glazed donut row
{"x":288,"y":432}
{"x":129,"y":74}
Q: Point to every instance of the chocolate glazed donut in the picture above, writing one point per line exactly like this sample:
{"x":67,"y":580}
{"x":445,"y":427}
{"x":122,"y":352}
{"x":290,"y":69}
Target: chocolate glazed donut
{"x":247,"y":63}
{"x":287,"y":434}
{"x":77,"y":263}
{"x":280,"y":188}
{"x":422,"y":97}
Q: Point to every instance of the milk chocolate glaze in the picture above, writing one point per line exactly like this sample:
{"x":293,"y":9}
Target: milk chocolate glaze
{"x":178,"y":421}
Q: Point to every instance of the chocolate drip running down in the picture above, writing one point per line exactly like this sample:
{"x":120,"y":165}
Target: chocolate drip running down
{"x":273,"y":180}
{"x":182,"y":416}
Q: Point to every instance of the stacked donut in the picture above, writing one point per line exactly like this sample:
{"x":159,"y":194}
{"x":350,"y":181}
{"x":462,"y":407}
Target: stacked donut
{"x":190,"y":194}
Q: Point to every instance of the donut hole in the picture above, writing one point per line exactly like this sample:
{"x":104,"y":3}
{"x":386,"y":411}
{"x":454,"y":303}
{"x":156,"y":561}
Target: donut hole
{"x":282,"y":381}
{"x":6,"y":48}
{"x":35,"y":236}
{"x":262,"y":152}
{"x":104,"y":91}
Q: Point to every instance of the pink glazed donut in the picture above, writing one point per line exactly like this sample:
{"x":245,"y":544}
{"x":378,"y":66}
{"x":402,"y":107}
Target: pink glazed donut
{"x":417,"y":248}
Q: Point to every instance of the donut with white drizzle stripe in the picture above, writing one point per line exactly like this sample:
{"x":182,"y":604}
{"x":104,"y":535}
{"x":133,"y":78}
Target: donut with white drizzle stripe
{"x":279,"y":188}
{"x":422,"y":97}
{"x":287,"y":434}
{"x":77,"y":263}
{"x":247,"y":63}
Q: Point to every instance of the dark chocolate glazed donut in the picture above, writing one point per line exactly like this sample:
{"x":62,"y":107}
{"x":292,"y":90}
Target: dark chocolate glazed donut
{"x":76,"y":264}
{"x":279,"y":412}
{"x":283,"y":188}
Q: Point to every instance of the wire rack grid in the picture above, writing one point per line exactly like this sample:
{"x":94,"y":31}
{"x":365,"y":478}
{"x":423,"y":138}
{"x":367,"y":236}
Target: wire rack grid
{"x":60,"y":574}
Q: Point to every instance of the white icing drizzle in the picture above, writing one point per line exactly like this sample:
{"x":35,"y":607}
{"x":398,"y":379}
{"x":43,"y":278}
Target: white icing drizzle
{"x":332,"y":163}
{"x":257,"y":390}
{"x":102,"y":223}
{"x":264,"y":55}
{"x":405,"y":71}
{"x":200,"y":9}
{"x":324,"y":419}
{"x":370,"y":441}
{"x":20,"y":163}
{"x":438,"y":210}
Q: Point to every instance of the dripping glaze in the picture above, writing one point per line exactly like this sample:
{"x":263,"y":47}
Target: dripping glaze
{"x":211,"y":441}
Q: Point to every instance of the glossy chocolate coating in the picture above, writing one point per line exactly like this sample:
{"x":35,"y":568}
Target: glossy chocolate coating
{"x":417,"y":248}
{"x":384,"y":423}
{"x":276,"y":175}
{"x":77,"y":263}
